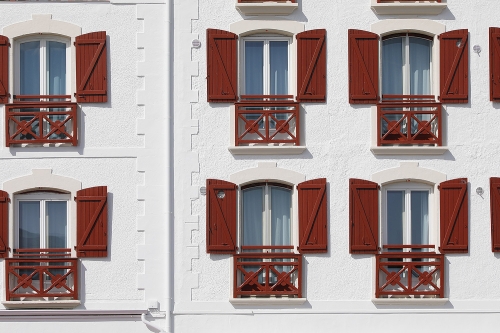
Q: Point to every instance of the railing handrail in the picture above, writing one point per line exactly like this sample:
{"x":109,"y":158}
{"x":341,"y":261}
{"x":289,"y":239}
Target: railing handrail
{"x":266,"y":247}
{"x":243,"y":1}
{"x":18,"y":253}
{"x":267,"y":98}
{"x":392,"y":246}
{"x":380,"y":1}
{"x":21,"y":97}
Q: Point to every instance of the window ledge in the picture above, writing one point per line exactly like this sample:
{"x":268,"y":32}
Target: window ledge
{"x":267,"y":301}
{"x":266,"y":8}
{"x":64,"y":304}
{"x":410,"y":301}
{"x":409,"y":150}
{"x":267,"y":150}
{"x":414,"y":8}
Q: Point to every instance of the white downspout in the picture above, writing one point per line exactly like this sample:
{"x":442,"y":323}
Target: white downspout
{"x":152,"y":325}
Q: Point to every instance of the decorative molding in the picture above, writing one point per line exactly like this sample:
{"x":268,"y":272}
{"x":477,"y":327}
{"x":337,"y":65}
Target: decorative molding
{"x":266,"y":8}
{"x":408,"y":8}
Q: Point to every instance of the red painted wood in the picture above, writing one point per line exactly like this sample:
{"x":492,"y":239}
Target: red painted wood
{"x":91,"y":68}
{"x":92,"y":222}
{"x":4,"y":224}
{"x":363,"y":216}
{"x":495,"y":213}
{"x":495,"y":64}
{"x":256,"y":1}
{"x":386,"y":1}
{"x":313,"y":216}
{"x":311,"y":66}
{"x":221,"y":216}
{"x":454,"y":66}
{"x":363,"y":67}
{"x":222,"y":66}
{"x":454,"y":216}
{"x":4,"y":70}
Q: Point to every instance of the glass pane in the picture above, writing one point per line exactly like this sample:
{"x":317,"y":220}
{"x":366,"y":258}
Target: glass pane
{"x":395,"y":216}
{"x":253,"y":208}
{"x":392,"y":66}
{"x":30,"y":68}
{"x":56,"y":224}
{"x":254,"y":67}
{"x":420,"y":66}
{"x":56,"y":68}
{"x":29,"y":224}
{"x":278,"y":67}
{"x":281,"y":201}
{"x":419,"y":217}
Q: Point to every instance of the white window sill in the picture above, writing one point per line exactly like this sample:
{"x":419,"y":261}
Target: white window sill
{"x":410,"y":301}
{"x":267,"y":150}
{"x":267,"y":301}
{"x":409,"y":150}
{"x":267,"y":8}
{"x":63,"y":304}
{"x":413,"y":8}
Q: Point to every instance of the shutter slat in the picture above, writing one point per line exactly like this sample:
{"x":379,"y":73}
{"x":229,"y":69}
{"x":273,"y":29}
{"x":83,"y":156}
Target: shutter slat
{"x":495,"y":213}
{"x":311,"y":66}
{"x":454,"y":66}
{"x":313,"y":216}
{"x":4,"y":224}
{"x":4,"y":69}
{"x":363,"y":216}
{"x":363,"y":67}
{"x":221,"y":216}
{"x":454,"y":219}
{"x":91,"y":68}
{"x":222,"y":66}
{"x":92,"y":222}
{"x":495,"y":64}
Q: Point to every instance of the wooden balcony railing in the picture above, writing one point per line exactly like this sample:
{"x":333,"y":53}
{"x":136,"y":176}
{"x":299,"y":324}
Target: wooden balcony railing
{"x":386,"y":1}
{"x":41,"y":273}
{"x":35,"y":119}
{"x":409,"y":271}
{"x":267,"y":120}
{"x":409,"y":123}
{"x":256,"y":1}
{"x":267,"y":274}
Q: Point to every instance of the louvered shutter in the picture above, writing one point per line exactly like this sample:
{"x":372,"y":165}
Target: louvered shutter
{"x":363,"y":67}
{"x":222,"y":66}
{"x":495,"y":213}
{"x":313,"y":216}
{"x":495,"y":64}
{"x":454,"y":219}
{"x":311,"y":66}
{"x":4,"y":224}
{"x":4,"y":69}
{"x":221,"y":216}
{"x":91,"y":68}
{"x":92,"y":222}
{"x":363,"y":216}
{"x":454,"y":63}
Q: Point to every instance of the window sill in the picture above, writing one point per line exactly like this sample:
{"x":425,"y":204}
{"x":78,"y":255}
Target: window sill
{"x":267,"y":8}
{"x":64,"y":304}
{"x":409,"y":150}
{"x":410,"y":301}
{"x":267,"y":150}
{"x":414,"y":8}
{"x":267,"y":301}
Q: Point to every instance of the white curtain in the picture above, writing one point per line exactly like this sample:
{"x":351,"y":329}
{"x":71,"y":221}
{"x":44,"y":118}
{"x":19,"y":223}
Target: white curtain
{"x":278,"y":67}
{"x":30,"y":68}
{"x":253,"y":208}
{"x":254,"y":67}
{"x":280,"y":216}
{"x":29,"y":224}
{"x":56,"y":219}
{"x":392,"y":66}
{"x":420,"y":66}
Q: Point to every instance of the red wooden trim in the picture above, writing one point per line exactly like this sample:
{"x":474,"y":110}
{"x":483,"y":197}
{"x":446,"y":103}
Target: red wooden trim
{"x":408,"y":247}
{"x":4,"y":224}
{"x":495,"y":64}
{"x":222,"y":66}
{"x":363,"y":216}
{"x":454,"y":219}
{"x":91,"y":68}
{"x":363,"y":67}
{"x":258,"y":1}
{"x":454,"y":63}
{"x":313,"y":216}
{"x":495,"y":213}
{"x":416,"y":1}
{"x":4,"y":69}
{"x":311,"y":66}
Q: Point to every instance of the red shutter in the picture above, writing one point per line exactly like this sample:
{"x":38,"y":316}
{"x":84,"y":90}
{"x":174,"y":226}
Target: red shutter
{"x":4,"y":224}
{"x":454,"y":211}
{"x":454,"y":63}
{"x":363,"y":67}
{"x":222,"y":66}
{"x":91,"y":68}
{"x":363,"y":216}
{"x":495,"y":64}
{"x":495,"y":213}
{"x":4,"y":69}
{"x":313,"y":216}
{"x":311,"y":66}
{"x":92,"y":222}
{"x":221,"y":216}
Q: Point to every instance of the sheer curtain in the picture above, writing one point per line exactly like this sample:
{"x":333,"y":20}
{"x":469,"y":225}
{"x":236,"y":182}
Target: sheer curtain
{"x":392,"y":66}
{"x":420,"y":66}
{"x":30,"y":68}
{"x":278,"y":54}
{"x":420,"y":217}
{"x":29,"y":224}
{"x":280,"y":216}
{"x":254,"y":67}
{"x":253,"y":208}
